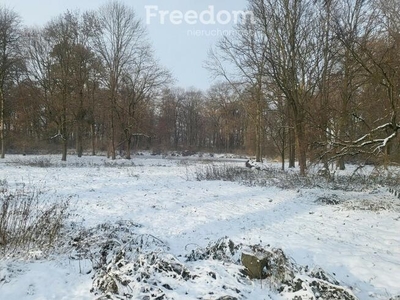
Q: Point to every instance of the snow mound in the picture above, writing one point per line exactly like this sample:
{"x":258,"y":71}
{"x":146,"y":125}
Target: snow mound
{"x":127,"y":265}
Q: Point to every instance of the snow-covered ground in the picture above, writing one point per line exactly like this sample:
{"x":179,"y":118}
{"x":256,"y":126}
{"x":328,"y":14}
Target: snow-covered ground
{"x":360,"y":247}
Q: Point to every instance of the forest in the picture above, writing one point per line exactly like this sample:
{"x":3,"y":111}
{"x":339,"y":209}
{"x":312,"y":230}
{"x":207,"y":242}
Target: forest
{"x":303,"y":81}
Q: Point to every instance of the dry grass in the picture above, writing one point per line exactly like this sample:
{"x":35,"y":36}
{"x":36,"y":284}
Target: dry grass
{"x":29,"y":219}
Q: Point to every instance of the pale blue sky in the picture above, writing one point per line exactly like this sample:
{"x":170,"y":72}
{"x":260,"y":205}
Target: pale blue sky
{"x":180,"y":52}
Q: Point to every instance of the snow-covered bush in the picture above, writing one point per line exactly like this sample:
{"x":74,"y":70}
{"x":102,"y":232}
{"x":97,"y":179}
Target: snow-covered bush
{"x":280,"y":272}
{"x":29,"y":220}
{"x":128,"y":265}
{"x":39,"y":162}
{"x":369,"y":205}
{"x":267,"y":176}
{"x":224,"y":172}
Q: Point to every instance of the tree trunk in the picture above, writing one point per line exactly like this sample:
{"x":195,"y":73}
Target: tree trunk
{"x":128,"y":147}
{"x":283,"y":148}
{"x":2,"y":123}
{"x":64,"y":143}
{"x":291,"y":138}
{"x":64,"y":149}
{"x":292,"y":148}
{"x":64,"y":135}
{"x":326,"y":87}
{"x":302,"y":144}
{"x":112,"y":134}
{"x":79,"y":142}
{"x":259,"y":139}
{"x":93,"y":132}
{"x":257,"y":144}
{"x":341,"y":164}
{"x":346,"y":95}
{"x":80,"y":125}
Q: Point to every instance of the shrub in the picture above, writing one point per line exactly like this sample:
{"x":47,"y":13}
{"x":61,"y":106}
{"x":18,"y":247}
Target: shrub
{"x":292,"y":180}
{"x":224,"y":172}
{"x":40,"y":162}
{"x":28,"y":220}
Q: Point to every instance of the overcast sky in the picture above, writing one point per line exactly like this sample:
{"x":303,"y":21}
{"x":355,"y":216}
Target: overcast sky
{"x":176,"y":47}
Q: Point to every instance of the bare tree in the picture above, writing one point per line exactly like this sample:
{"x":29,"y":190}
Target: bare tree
{"x":10,"y":36}
{"x":119,"y":38}
{"x":226,"y":117}
{"x":169,"y":108}
{"x":293,"y":56}
{"x":246,"y":52}
{"x":190,"y":118}
{"x":62,"y":33}
{"x":39,"y":61}
{"x":85,"y":70}
{"x":372,"y":40}
{"x":143,"y":82}
{"x":328,"y":63}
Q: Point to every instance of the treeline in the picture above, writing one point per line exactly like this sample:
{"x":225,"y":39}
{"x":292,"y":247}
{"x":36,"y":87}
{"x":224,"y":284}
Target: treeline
{"x":323,"y":77}
{"x":303,"y":80}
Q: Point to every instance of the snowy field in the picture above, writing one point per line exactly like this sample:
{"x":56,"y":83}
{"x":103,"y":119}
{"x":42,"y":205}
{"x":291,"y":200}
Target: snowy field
{"x":159,"y":199}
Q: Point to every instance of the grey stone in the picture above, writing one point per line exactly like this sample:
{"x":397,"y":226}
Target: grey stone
{"x":255,"y":264}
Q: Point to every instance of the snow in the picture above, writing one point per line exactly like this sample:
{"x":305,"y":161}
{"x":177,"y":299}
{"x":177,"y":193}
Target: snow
{"x":360,"y":247}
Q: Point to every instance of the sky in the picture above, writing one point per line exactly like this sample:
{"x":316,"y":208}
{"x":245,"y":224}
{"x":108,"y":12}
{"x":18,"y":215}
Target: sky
{"x":182,"y":48}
